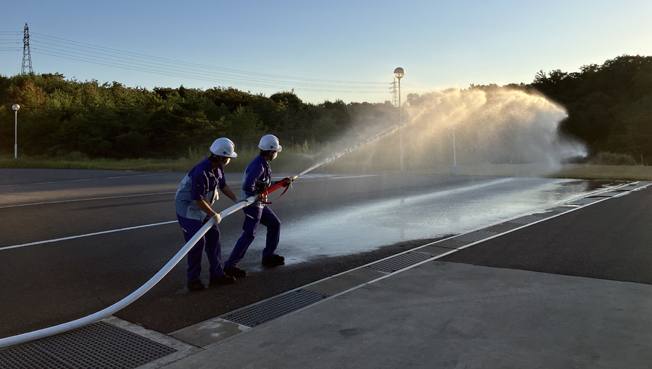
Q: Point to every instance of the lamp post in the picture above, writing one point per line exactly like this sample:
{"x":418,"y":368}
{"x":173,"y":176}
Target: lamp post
{"x":454,"y":156}
{"x":399,"y":73}
{"x":15,"y":107}
{"x":454,"y":169}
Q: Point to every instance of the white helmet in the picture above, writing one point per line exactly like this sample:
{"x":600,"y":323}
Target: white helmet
{"x":224,"y":147}
{"x":270,"y":143}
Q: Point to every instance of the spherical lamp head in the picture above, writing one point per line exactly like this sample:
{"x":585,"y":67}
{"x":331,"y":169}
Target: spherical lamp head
{"x":399,"y":72}
{"x":15,"y":107}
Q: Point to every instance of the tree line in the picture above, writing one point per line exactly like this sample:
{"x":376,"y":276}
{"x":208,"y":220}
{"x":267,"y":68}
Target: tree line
{"x":59,"y":116}
{"x":609,"y":108}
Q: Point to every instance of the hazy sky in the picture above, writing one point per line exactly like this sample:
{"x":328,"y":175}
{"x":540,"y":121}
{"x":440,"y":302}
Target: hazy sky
{"x":324,"y":50}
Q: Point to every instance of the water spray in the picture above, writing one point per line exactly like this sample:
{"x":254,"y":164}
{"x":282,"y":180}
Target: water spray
{"x":105,"y":313}
{"x":455,"y":110}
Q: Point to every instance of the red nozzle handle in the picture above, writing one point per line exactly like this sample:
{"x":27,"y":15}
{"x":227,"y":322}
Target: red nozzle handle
{"x":283,"y":183}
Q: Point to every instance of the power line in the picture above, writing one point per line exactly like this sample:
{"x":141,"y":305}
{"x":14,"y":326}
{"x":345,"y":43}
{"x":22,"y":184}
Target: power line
{"x":394,"y":92}
{"x":179,"y":74}
{"x":129,"y":62}
{"x":27,"y":55}
{"x":100,"y":55}
{"x":83,"y":45}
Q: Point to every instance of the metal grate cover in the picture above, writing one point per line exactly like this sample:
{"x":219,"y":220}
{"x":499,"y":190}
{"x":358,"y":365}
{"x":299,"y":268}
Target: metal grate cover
{"x":636,"y":185}
{"x":586,"y":200}
{"x":475,"y":236}
{"x":562,"y":209}
{"x":399,"y":262}
{"x":526,"y":219}
{"x":99,"y":345}
{"x":273,"y":308}
{"x":609,"y":194}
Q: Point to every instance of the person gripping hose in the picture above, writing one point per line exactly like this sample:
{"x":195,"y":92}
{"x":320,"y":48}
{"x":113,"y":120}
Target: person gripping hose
{"x":195,"y":196}
{"x":257,"y":178}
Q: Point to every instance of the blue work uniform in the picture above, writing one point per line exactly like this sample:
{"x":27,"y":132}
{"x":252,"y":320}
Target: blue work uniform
{"x":202,"y":182}
{"x":257,"y":175}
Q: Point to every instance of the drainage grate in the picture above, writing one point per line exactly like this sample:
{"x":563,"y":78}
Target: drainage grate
{"x":399,"y":262}
{"x":586,"y":200}
{"x":635,"y":185}
{"x":273,"y":308}
{"x":98,"y":345}
{"x":609,"y":194}
{"x":562,"y":209}
{"x":526,"y":219}
{"x":475,"y":236}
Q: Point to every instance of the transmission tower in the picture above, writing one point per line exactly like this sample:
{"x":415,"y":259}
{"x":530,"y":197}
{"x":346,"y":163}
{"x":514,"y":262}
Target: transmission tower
{"x":27,"y":55}
{"x":394,"y":90}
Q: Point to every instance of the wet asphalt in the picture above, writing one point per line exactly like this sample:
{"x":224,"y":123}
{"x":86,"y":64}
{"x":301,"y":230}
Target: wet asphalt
{"x":52,"y":283}
{"x":610,"y":240}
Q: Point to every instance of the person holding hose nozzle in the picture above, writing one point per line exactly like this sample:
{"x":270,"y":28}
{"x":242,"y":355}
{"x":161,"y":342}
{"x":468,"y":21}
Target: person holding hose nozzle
{"x":195,"y":196}
{"x":257,"y":178}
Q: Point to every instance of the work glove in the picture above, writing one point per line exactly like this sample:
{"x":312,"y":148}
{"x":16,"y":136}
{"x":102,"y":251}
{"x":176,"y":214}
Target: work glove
{"x":217,"y":218}
{"x":288,"y":181}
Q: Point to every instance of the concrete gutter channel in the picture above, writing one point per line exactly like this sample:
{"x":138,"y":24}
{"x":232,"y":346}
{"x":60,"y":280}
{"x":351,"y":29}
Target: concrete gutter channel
{"x":208,"y":334}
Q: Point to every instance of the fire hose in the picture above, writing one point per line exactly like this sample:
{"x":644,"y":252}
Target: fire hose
{"x":46,"y":332}
{"x":51,"y":331}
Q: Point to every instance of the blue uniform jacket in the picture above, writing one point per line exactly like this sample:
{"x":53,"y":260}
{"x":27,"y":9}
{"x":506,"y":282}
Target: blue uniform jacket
{"x":258,"y":173}
{"x":200,"y":183}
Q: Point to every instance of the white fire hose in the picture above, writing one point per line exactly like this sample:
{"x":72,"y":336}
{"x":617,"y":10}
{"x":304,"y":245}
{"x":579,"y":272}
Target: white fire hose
{"x":51,"y":331}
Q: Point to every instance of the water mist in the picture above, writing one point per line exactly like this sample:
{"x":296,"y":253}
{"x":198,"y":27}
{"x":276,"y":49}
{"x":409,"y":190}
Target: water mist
{"x":500,"y":127}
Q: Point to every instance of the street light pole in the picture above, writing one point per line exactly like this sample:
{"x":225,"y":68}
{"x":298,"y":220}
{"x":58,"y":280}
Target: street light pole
{"x":454,"y":156}
{"x":15,"y":107}
{"x":399,"y":73}
{"x":454,"y":169}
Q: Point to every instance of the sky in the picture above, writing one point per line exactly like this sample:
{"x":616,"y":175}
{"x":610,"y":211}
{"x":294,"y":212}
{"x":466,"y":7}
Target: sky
{"x":323,"y":50}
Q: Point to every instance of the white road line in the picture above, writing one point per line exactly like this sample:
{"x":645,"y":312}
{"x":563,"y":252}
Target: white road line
{"x":83,"y":179}
{"x":85,"y":235}
{"x":90,"y":199}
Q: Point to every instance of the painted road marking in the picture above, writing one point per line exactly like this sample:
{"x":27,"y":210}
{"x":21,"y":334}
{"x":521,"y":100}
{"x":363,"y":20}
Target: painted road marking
{"x":82,"y":180}
{"x":86,"y":235}
{"x":90,"y":199}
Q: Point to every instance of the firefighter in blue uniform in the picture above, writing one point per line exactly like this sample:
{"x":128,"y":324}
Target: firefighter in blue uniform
{"x":257,"y":177}
{"x":195,"y":196}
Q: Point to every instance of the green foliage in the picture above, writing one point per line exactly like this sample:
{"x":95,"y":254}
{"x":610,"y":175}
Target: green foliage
{"x":60,"y":117}
{"x":609,"y":105}
{"x":609,"y":158}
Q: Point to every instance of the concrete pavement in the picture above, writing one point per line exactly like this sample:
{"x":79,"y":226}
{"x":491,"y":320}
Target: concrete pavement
{"x":514,"y":294}
{"x":446,"y":314}
{"x":450,"y":315}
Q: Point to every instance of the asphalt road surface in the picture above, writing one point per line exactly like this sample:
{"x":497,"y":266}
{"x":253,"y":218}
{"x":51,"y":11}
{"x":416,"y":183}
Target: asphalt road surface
{"x":65,"y":252}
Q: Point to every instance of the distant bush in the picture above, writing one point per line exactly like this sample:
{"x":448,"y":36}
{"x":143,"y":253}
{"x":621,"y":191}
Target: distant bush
{"x":610,"y":158}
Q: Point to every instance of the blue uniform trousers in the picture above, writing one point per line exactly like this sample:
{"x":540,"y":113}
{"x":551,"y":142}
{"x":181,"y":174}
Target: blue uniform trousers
{"x":253,"y":217}
{"x":211,"y":243}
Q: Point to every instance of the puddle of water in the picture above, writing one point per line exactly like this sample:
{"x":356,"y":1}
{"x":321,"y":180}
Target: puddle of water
{"x":366,"y":226}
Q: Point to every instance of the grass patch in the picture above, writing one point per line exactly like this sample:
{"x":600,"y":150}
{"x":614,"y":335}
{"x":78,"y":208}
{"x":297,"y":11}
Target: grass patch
{"x":610,"y":158}
{"x":294,"y":160}
{"x":291,"y":160}
{"x":587,"y":171}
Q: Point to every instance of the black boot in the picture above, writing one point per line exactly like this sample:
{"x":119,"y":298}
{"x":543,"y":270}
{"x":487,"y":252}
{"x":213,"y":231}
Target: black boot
{"x":223,"y":279}
{"x":235,"y":272}
{"x":273,"y":260}
{"x":196,"y":285}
